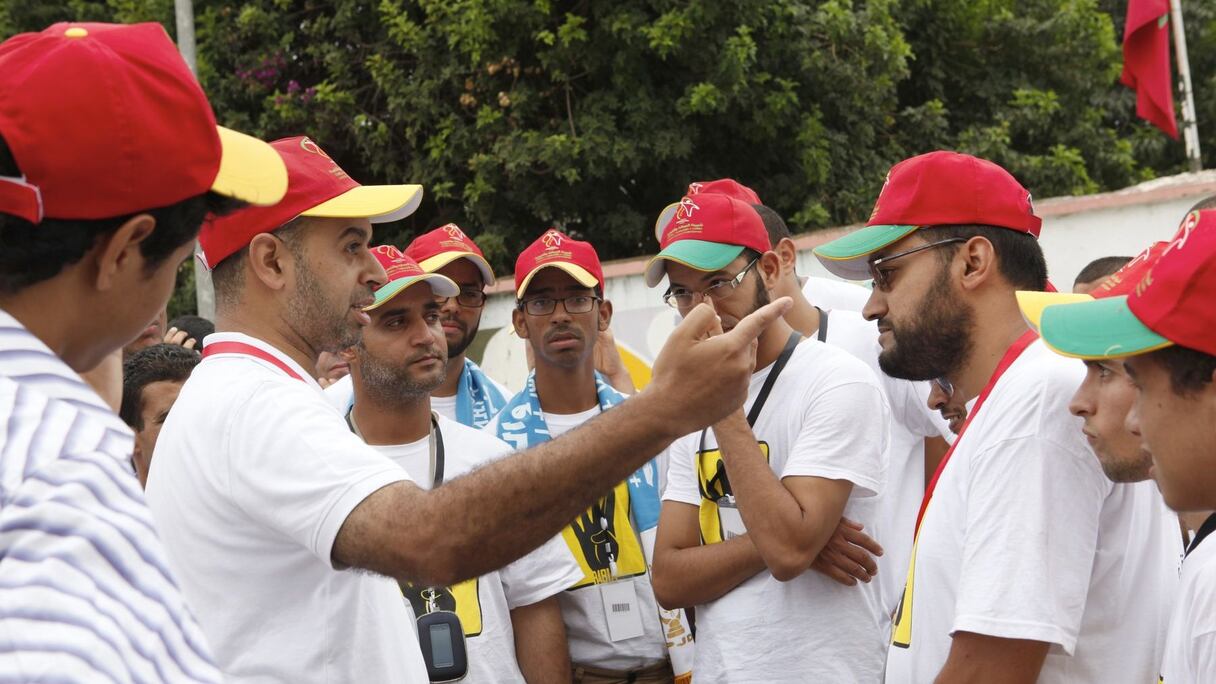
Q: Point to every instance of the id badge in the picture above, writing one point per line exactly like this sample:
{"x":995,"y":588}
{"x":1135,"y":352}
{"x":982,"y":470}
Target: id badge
{"x":622,"y":609}
{"x":732,"y":522}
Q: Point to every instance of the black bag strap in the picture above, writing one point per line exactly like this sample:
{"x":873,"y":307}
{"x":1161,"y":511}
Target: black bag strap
{"x":767,"y":387}
{"x":823,"y":325}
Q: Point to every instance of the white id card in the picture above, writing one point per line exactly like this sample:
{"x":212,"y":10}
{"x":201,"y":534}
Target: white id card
{"x":732,"y":522}
{"x":622,"y":609}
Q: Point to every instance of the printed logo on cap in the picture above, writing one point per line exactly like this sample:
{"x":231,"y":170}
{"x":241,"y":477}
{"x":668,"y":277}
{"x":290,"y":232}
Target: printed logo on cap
{"x":454,"y":231}
{"x":336,"y":171}
{"x":552,"y":239}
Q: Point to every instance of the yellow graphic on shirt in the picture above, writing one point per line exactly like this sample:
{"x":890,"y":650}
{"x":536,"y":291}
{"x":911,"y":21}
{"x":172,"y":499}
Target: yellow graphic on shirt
{"x":603,"y":541}
{"x":464,"y":599}
{"x":901,"y":626}
{"x":714,"y":486}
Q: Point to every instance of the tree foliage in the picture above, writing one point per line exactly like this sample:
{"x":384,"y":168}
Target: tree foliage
{"x":520,"y":114}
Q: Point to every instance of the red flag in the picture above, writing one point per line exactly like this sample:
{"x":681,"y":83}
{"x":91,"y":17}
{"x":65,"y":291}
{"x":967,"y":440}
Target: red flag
{"x":1146,"y":62}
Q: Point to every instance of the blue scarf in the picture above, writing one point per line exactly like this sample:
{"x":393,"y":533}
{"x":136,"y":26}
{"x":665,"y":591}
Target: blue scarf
{"x":477,"y":399}
{"x":522,"y":424}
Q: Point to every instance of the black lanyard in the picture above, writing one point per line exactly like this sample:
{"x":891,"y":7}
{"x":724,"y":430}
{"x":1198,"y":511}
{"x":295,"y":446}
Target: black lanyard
{"x":436,"y":444}
{"x":767,"y":387}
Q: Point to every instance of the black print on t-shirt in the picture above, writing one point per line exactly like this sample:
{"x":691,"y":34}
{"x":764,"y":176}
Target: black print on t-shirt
{"x":597,"y":543}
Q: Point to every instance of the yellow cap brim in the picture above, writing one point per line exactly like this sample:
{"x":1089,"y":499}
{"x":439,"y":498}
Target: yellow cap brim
{"x":440,"y":260}
{"x":580,"y":274}
{"x":376,"y":203}
{"x":1033,"y":303}
{"x":250,"y":169}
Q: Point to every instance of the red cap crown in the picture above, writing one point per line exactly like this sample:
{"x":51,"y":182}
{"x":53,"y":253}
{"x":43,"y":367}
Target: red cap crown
{"x":312,"y":178}
{"x":724,"y":186}
{"x":396,"y":264}
{"x":1176,"y":298}
{"x":555,"y":248}
{"x":1125,"y":280}
{"x":442,"y":240}
{"x":716,"y":218}
{"x":948,"y":188}
{"x":103,"y":120}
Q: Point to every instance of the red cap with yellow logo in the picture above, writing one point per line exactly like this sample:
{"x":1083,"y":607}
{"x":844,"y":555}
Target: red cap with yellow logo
{"x":707,"y":232}
{"x":557,"y":250}
{"x":316,"y":186}
{"x":402,"y":272}
{"x":445,"y":244}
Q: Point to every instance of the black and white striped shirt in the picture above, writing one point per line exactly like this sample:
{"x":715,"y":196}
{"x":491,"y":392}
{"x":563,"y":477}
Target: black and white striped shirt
{"x":86,"y":593}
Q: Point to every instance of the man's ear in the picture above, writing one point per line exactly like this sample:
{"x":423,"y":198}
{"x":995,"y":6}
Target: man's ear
{"x":770,"y":269}
{"x":787,"y":253}
{"x":270,"y":260}
{"x":605,"y":315}
{"x":979,"y":262}
{"x":118,"y":252}
{"x":520,"y":322}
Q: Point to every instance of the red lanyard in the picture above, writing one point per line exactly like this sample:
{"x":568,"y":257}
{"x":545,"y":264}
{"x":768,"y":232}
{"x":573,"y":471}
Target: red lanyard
{"x":1011,"y":354}
{"x":249,"y":350}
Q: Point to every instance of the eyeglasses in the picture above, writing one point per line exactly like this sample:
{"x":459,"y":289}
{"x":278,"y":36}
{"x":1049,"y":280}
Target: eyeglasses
{"x":471,"y":299}
{"x":543,"y":306}
{"x":881,"y":281}
{"x":944,"y":385}
{"x":680,"y":298}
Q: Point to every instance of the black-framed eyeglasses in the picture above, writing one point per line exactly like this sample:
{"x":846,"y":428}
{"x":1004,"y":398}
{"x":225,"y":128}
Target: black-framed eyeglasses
{"x":680,"y":298}
{"x":471,"y":299}
{"x":880,"y":277}
{"x":574,"y":304}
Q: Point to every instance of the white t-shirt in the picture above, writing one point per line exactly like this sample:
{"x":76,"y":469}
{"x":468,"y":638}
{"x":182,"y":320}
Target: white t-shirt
{"x":825,"y":417}
{"x":1025,"y":538}
{"x":582,"y":606}
{"x":911,"y":422}
{"x":446,"y":406}
{"x":254,"y":476}
{"x":484,"y":604}
{"x":1190,"y":644}
{"x":835,"y":295}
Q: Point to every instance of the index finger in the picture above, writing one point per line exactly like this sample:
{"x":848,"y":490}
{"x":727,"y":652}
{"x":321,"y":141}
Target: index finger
{"x":754,"y":323}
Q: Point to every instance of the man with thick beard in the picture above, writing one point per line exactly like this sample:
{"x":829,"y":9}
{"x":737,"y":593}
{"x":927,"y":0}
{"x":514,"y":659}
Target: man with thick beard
{"x":752,"y":502}
{"x":508,"y":618}
{"x":263,"y":495}
{"x":1025,"y":552}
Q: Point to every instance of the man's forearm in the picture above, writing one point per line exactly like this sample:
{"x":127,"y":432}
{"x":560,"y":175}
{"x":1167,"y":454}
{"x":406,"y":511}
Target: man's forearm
{"x":541,"y":648}
{"x":539,"y":491}
{"x":700,"y":574}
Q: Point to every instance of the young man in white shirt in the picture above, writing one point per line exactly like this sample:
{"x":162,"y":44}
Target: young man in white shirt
{"x":560,"y":313}
{"x":109,"y":161}
{"x":263,"y":495}
{"x":151,"y":380}
{"x":1161,"y":331}
{"x":1025,"y":552}
{"x":751,"y":503}
{"x":508,"y":618}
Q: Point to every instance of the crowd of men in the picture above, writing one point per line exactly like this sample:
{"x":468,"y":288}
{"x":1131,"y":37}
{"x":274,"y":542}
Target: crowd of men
{"x":957,"y":475}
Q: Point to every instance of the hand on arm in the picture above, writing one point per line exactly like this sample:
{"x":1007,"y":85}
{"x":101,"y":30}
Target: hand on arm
{"x":540,"y":641}
{"x":992,"y":660}
{"x":686,"y":573}
{"x":790,"y":521}
{"x":431,"y":537}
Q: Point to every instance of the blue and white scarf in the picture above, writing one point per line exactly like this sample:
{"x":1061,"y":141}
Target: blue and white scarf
{"x":478,"y":399}
{"x":522,"y":424}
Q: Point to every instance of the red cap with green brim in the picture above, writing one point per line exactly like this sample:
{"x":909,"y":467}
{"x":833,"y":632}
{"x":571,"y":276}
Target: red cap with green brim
{"x":707,"y":232}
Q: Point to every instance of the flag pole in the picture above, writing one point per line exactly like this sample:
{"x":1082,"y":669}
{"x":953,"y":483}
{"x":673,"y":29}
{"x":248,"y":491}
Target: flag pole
{"x":1190,"y":127}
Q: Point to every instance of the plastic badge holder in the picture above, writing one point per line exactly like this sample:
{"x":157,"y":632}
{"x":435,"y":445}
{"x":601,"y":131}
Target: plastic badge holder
{"x":443,"y":649}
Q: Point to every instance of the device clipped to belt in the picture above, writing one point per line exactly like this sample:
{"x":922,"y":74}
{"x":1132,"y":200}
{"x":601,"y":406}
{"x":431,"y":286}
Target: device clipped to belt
{"x":440,"y":634}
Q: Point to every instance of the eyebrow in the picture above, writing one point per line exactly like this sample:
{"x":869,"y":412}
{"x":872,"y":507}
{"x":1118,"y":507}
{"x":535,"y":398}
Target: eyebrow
{"x":358,"y":231}
{"x":1128,"y":369}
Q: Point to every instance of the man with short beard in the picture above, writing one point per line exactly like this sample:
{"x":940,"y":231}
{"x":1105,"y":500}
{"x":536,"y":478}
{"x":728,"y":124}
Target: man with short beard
{"x":753,"y":502}
{"x":1024,"y":549}
{"x":508,"y":618}
{"x":263,"y":495}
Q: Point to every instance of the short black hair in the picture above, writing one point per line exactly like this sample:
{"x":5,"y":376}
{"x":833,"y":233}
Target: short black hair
{"x":158,"y":363}
{"x":195,"y":326}
{"x":1189,"y":369}
{"x":1100,"y":268}
{"x":30,"y":254}
{"x":228,"y":276}
{"x":773,"y":223}
{"x":1019,"y":255}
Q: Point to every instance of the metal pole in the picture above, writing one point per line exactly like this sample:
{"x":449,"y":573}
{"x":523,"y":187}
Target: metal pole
{"x":184,"y":11}
{"x":1190,"y":129}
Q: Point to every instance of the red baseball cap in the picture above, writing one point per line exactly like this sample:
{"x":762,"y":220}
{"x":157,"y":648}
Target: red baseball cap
{"x":445,"y":244}
{"x":722,"y":186}
{"x":707,"y":232}
{"x":557,"y":250}
{"x":1121,"y":282}
{"x":106,"y":120}
{"x":935,"y":189}
{"x":402,"y":272}
{"x":1173,"y":302}
{"x":318,"y":187}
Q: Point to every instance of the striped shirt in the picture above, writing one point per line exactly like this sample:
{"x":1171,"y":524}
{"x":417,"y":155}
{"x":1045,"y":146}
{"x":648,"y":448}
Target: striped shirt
{"x":86,"y":593}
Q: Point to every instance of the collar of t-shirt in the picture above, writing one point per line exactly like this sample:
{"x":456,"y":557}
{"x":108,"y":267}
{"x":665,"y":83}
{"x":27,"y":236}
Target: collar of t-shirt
{"x":241,"y":338}
{"x":1202,"y":533}
{"x":27,"y":360}
{"x":561,"y":423}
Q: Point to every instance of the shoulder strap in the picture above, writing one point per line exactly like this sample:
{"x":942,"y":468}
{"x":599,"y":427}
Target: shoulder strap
{"x":762,"y":396}
{"x":823,"y":325}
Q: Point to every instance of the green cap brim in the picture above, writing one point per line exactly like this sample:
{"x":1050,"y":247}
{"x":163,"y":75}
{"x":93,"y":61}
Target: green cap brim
{"x":847,"y":257}
{"x":441,"y":286}
{"x":1101,"y":329}
{"x":698,"y":254}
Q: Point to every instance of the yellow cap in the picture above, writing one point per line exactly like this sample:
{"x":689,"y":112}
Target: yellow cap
{"x":76,"y":32}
